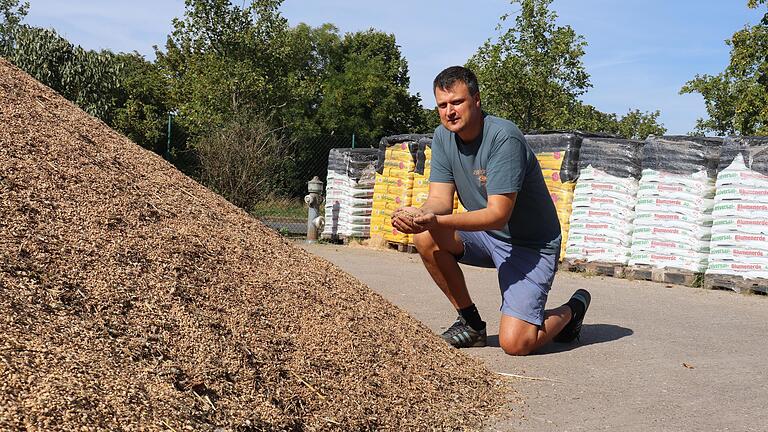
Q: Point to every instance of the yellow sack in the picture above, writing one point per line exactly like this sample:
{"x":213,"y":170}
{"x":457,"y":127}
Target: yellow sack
{"x":419,"y":200}
{"x":399,"y":152}
{"x":380,"y":187}
{"x":382,"y":212}
{"x":420,"y":182}
{"x":562,"y":199}
{"x":551,"y":175}
{"x":550,"y":160}
{"x":399,"y":164}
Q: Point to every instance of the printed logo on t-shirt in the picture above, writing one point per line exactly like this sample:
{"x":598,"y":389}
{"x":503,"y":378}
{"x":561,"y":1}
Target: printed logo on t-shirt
{"x":481,"y":177}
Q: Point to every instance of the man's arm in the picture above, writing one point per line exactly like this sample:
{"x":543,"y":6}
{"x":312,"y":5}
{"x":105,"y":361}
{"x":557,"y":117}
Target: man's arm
{"x":495,"y":216}
{"x":439,"y":201}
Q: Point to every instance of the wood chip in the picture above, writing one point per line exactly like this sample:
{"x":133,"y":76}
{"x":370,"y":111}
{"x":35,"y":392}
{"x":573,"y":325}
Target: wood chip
{"x":139,"y":308}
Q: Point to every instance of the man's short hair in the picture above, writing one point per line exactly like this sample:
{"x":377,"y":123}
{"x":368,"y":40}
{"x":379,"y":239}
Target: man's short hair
{"x":449,"y":76}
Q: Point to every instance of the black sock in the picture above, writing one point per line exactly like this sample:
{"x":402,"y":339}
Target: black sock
{"x":472,"y":317}
{"x":577,"y":308}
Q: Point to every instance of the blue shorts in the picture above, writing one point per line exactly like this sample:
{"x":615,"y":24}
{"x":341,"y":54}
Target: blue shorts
{"x":525,"y":275}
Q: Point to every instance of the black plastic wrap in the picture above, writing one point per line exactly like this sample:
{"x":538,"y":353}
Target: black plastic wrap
{"x":355,"y":163}
{"x":421,"y":156}
{"x":569,"y":144}
{"x":413,"y":146}
{"x":682,"y":154}
{"x":753,"y":149}
{"x":616,"y":156}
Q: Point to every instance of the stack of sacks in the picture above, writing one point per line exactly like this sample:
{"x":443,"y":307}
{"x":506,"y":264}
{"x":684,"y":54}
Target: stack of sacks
{"x":421,"y":178}
{"x":457,"y":206}
{"x":740,"y":230}
{"x":604,"y":200}
{"x":674,"y":202}
{"x":349,"y":192}
{"x":396,"y":165}
{"x":558,"y":155}
{"x":423,"y":169}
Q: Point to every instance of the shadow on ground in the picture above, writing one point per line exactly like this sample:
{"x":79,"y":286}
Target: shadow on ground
{"x":591,"y":334}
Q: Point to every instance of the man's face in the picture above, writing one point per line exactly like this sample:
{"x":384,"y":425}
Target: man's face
{"x":458,"y":109}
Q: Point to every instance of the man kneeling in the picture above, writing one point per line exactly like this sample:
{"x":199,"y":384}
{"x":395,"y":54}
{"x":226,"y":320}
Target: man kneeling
{"x":511,"y":224}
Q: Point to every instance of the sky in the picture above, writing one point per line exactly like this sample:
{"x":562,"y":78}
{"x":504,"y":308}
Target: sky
{"x":639,"y":53}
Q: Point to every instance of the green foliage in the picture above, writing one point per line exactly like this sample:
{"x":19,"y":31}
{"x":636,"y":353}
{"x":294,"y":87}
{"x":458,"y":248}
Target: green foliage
{"x":366,"y":91}
{"x":222,"y":59}
{"x":123,"y":90}
{"x":142,"y":108}
{"x":313,"y":51}
{"x":634,"y":124}
{"x":533,"y":75}
{"x":88,"y":78}
{"x":533,"y":70}
{"x":281,"y":207}
{"x":241,"y":159}
{"x":12,"y":13}
{"x":737,"y":98}
{"x":638,"y":125}
{"x":430,"y":119}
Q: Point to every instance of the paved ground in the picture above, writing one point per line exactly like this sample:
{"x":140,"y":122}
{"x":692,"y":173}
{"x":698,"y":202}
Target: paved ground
{"x":652,"y":357}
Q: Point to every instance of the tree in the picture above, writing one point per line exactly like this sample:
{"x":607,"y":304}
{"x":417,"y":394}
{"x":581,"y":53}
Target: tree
{"x":124,"y":90}
{"x":314,"y":53}
{"x":366,"y":93}
{"x":534,"y":76}
{"x":737,"y":98}
{"x":638,"y":125}
{"x":240,"y":158}
{"x":534,"y":70}
{"x":142,"y":108}
{"x":222,"y":59}
{"x":88,"y":78}
{"x":430,"y":120}
{"x":12,"y":13}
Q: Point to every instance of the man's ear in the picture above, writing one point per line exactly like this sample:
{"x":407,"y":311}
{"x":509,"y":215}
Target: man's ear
{"x":476,"y":98}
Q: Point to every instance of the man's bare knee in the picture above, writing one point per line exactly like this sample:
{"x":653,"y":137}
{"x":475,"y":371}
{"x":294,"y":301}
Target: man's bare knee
{"x":424,"y":241}
{"x":517,"y":345}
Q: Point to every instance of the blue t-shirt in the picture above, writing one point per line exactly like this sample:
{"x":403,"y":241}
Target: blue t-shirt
{"x":499,"y":161}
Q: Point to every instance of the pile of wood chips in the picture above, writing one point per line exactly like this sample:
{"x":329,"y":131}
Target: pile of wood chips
{"x":132,"y":298}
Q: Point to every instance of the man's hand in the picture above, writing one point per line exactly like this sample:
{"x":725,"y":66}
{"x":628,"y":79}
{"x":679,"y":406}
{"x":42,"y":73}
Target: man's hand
{"x":404,"y":219}
{"x":425,"y":221}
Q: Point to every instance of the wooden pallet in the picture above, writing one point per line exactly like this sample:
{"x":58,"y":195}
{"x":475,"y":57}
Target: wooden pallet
{"x":736,"y":283}
{"x":340,"y":239}
{"x":664,"y":275}
{"x":402,"y":247}
{"x":595,"y":267}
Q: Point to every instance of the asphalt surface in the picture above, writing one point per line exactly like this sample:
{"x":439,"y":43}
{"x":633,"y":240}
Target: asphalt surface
{"x":652,"y":357}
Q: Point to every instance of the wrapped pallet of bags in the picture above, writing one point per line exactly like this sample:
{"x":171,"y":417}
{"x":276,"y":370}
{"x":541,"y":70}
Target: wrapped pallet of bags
{"x":349,"y":192}
{"x":421,"y":176}
{"x":739,"y":245}
{"x":604,"y":200}
{"x":558,"y":155}
{"x":673,"y":212}
{"x":422,"y":172}
{"x":394,"y":182}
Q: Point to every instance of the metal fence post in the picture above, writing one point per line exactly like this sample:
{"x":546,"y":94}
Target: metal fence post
{"x":168,"y":143}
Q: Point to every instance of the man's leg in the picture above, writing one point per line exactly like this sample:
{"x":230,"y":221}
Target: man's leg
{"x":438,"y":249}
{"x":518,"y":337}
{"x":525,"y":278}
